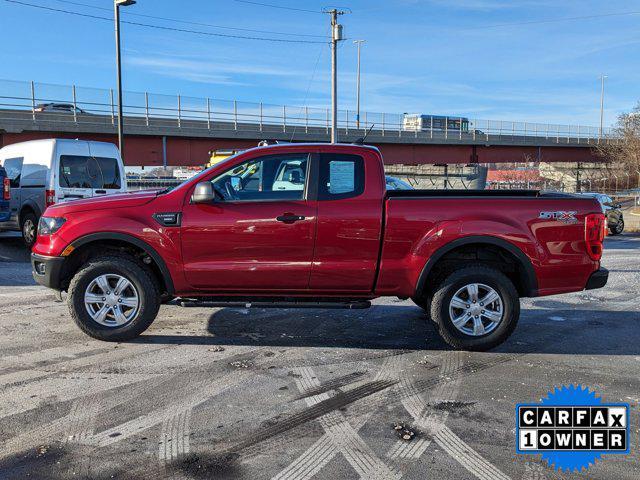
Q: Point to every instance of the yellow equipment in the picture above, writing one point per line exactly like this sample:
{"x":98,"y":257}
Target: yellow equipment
{"x":216,"y":156}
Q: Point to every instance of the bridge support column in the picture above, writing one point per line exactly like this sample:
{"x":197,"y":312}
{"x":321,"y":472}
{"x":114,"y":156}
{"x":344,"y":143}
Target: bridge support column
{"x":164,"y":152}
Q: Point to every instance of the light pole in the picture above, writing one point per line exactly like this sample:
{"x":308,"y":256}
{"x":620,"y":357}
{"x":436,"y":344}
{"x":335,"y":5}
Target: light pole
{"x":358,"y":43}
{"x":602,"y":77}
{"x":336,"y":36}
{"x":116,"y":5}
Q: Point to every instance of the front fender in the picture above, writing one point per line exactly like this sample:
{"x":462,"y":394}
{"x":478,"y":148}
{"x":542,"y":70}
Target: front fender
{"x":81,"y":228}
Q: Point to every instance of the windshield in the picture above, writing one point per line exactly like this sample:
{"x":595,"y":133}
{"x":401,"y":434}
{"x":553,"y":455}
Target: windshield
{"x":78,"y":171}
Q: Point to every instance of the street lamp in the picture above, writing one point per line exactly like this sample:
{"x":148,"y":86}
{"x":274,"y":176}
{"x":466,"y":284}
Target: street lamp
{"x":358,"y":43}
{"x":116,"y":5}
{"x":602,"y":77}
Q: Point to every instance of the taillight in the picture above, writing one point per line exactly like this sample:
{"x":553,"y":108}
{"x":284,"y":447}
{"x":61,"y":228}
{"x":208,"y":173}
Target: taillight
{"x":594,"y":234}
{"x":49,"y":197}
{"x":6,"y":189}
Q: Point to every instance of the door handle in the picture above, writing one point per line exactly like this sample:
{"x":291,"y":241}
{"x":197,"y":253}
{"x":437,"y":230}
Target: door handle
{"x":101,"y":192}
{"x":289,"y":218}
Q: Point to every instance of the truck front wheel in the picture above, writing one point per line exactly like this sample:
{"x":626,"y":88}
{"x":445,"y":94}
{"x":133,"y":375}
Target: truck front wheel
{"x":475,"y":308}
{"x":113,"y":298}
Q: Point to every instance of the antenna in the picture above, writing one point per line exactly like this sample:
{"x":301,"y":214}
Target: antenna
{"x":360,"y":141}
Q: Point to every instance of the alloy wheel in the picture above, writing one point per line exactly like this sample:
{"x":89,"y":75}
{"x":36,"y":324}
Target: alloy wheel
{"x":476,"y":309}
{"x":111,"y":300}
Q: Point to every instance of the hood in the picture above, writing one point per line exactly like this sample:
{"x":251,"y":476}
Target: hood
{"x":118,"y":200}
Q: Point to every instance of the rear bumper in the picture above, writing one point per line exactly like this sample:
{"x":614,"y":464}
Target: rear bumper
{"x":598,"y":279}
{"x":47,"y":271}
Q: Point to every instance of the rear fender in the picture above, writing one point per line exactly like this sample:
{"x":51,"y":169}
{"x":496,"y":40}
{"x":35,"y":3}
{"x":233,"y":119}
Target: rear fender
{"x":29,"y":205}
{"x":530,"y":278}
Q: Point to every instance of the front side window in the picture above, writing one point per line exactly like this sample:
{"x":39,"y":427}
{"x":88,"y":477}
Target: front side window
{"x":13,"y":166}
{"x":78,"y":171}
{"x":272,"y":177}
{"x":341,"y":176}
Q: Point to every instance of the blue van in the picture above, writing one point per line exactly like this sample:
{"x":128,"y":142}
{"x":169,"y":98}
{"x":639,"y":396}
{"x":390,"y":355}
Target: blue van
{"x":5,"y":196}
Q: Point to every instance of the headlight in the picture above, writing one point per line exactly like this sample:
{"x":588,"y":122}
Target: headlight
{"x":50,"y":225}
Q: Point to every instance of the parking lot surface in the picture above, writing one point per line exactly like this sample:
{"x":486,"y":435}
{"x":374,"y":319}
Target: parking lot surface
{"x":232,"y":393}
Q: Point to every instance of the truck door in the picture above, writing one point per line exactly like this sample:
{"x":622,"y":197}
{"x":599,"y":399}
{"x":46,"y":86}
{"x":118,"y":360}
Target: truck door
{"x":349,"y":223}
{"x":254,"y":237}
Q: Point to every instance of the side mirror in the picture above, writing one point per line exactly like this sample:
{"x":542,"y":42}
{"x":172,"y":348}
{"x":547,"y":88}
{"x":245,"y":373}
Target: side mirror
{"x":203,"y":193}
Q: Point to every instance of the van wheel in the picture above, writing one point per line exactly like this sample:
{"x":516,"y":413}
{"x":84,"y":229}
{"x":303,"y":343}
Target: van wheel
{"x":113,"y":298}
{"x":475,"y":308}
{"x":29,"y":228}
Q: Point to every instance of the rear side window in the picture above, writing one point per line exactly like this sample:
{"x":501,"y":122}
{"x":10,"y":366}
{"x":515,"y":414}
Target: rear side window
{"x":77,"y":171}
{"x":341,"y":176}
{"x":13,"y":166}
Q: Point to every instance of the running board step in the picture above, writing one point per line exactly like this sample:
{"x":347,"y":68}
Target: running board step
{"x":350,"y":305}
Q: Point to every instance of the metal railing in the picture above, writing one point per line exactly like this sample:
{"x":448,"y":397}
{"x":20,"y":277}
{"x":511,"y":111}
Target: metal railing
{"x":20,"y":101}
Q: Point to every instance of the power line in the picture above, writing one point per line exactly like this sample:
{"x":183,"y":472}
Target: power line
{"x":160,"y":27}
{"x":281,"y":7}
{"x":186,"y":22}
{"x":554,"y":20}
{"x":306,"y":95}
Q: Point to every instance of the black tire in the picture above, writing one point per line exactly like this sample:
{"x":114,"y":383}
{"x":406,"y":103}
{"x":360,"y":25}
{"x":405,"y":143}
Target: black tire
{"x":29,"y":221}
{"x":457,"y":280}
{"x":141,"y":278}
{"x":618,"y":228}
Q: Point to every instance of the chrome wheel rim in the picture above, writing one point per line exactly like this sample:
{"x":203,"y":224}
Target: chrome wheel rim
{"x":619,"y":226}
{"x":29,"y":231}
{"x":476,"y":309}
{"x":111,"y":300}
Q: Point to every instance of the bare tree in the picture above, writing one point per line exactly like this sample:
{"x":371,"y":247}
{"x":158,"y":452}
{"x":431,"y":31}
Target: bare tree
{"x":621,"y":152}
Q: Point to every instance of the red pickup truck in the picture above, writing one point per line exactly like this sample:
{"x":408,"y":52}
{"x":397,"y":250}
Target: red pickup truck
{"x":312,"y":225}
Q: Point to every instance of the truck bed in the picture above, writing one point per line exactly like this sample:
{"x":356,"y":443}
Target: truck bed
{"x":421,"y":193}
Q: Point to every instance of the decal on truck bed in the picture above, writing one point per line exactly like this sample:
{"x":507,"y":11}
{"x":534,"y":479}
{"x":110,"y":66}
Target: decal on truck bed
{"x":561,"y":216}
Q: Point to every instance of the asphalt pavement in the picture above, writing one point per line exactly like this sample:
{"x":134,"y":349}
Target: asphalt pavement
{"x":257,"y":394}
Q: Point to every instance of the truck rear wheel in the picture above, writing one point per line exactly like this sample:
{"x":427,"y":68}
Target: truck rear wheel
{"x":475,"y":308}
{"x":113,"y":298}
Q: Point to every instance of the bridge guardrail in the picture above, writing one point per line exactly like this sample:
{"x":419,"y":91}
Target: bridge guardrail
{"x":93,"y":106}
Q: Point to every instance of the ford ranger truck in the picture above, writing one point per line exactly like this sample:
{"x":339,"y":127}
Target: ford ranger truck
{"x":312,"y":225}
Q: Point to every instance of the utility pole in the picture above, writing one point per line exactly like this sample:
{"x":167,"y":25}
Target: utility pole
{"x":336,"y":36}
{"x":358,"y":43}
{"x":116,"y":5}
{"x":602,"y":77}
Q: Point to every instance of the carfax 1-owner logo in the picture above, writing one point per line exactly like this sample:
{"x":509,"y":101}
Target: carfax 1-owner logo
{"x":572,"y":428}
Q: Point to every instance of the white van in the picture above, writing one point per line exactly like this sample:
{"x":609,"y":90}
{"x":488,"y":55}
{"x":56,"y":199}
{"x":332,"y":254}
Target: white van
{"x":44,"y":172}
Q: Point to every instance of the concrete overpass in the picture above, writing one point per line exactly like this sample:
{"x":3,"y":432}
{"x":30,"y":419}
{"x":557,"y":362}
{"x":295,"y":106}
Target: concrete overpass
{"x":181,"y":131}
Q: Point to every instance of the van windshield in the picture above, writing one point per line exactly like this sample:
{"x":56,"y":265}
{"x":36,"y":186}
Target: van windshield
{"x":77,"y":171}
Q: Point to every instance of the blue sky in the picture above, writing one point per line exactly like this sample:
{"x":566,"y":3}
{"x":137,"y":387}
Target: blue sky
{"x":430,"y":56}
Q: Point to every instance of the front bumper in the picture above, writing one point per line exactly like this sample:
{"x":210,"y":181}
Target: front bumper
{"x":47,"y":271}
{"x":598,"y":279}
